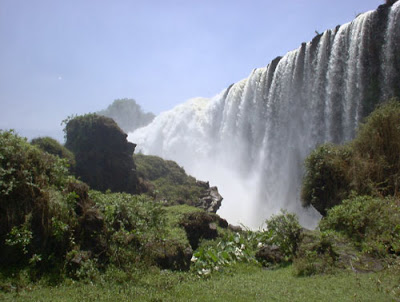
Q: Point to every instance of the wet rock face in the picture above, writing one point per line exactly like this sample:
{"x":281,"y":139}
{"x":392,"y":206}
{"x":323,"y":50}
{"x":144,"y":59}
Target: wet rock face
{"x":211,"y":199}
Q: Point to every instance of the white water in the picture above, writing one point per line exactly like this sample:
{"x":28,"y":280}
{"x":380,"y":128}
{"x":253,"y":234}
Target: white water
{"x":252,"y":138}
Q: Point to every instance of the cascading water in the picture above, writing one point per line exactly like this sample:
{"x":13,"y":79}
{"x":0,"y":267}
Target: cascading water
{"x":251,"y":139}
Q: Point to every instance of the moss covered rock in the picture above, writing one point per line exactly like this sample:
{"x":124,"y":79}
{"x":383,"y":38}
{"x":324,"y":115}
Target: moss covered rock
{"x":103,"y":154}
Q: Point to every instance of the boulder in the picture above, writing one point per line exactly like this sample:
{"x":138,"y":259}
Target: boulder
{"x":211,"y":199}
{"x":169,"y":254}
{"x":269,"y":254}
{"x":199,"y":225}
{"x":235,"y":228}
{"x":102,"y":153}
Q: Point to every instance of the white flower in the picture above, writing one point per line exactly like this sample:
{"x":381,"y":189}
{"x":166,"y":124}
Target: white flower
{"x":205,"y":271}
{"x":242,"y":247}
{"x":238,"y":252}
{"x":259,"y":245}
{"x":194,"y":259}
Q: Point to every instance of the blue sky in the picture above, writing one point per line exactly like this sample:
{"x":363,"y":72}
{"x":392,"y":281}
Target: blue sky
{"x":63,"y":57}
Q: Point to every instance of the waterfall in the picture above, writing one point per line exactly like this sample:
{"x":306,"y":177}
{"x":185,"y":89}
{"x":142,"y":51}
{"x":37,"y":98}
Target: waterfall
{"x":251,"y":139}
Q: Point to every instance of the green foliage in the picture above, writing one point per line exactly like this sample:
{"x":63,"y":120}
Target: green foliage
{"x":167,"y":180}
{"x":132,"y":222}
{"x":377,"y":148}
{"x":231,"y":249}
{"x":52,"y":146}
{"x":284,"y":231}
{"x":326,"y":181}
{"x":370,"y":165}
{"x":28,"y":176}
{"x":317,"y":253}
{"x":134,"y":213}
{"x":20,"y":236}
{"x":128,"y":114}
{"x":374,"y":223}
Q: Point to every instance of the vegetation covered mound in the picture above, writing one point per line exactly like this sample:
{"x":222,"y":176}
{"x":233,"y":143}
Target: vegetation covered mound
{"x":369,"y":165}
{"x":102,"y":153}
{"x":52,"y":146}
{"x":28,"y":179}
{"x":167,"y":181}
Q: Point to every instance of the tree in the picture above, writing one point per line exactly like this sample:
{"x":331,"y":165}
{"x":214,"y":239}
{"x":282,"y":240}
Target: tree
{"x":128,"y":114}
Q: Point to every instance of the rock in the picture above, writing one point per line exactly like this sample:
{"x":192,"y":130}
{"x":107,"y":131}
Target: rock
{"x":199,"y":225}
{"x":203,"y":184}
{"x":222,"y":223}
{"x":235,"y":228}
{"x":170,"y":254}
{"x":211,"y":199}
{"x":269,"y":254}
{"x":92,"y":228}
{"x":102,"y":153}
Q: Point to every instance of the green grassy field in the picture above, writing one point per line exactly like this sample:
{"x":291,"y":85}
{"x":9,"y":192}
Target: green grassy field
{"x":238,"y":283}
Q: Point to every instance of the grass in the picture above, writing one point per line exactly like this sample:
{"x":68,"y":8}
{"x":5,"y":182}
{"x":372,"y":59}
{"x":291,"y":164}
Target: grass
{"x":238,"y":283}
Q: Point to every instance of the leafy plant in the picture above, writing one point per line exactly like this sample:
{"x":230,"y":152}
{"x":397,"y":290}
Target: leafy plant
{"x":374,"y":223}
{"x":52,"y":146}
{"x":232,"y":248}
{"x":284,"y":231}
{"x":369,"y":165}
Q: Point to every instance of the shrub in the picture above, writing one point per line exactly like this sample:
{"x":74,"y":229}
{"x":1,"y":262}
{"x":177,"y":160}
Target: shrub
{"x":132,"y":222}
{"x":317,"y":253}
{"x":212,"y":256}
{"x":52,"y":146}
{"x":29,"y":179}
{"x":326,"y":182}
{"x":377,"y":152}
{"x":168,"y":181}
{"x":369,"y":165}
{"x":284,"y":231}
{"x":374,"y":223}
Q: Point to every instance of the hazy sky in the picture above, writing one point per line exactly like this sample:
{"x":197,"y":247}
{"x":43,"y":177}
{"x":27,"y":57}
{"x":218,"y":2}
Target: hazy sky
{"x":63,"y":57}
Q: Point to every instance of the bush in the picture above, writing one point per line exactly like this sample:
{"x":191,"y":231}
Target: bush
{"x":52,"y":146}
{"x":213,"y":256}
{"x":284,"y":231}
{"x":374,"y":223}
{"x":317,"y":253}
{"x":132,"y":222}
{"x":370,"y":165}
{"x":29,"y":182}
{"x":168,"y":181}
{"x":327,"y":181}
{"x":377,"y":152}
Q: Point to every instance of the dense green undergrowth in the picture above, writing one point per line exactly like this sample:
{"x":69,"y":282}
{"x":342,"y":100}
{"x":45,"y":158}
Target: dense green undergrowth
{"x":166,"y":181}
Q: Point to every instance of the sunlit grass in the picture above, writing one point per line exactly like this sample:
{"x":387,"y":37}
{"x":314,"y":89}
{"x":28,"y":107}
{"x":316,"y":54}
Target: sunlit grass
{"x":238,"y":283}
